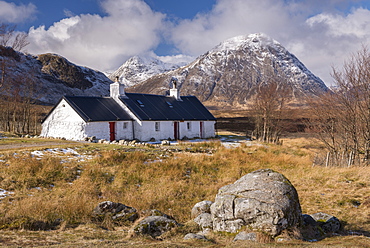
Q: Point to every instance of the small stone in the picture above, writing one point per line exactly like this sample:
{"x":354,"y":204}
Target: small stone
{"x":194,"y":236}
{"x":328,"y":223}
{"x":246,"y":236}
{"x":155,"y":226}
{"x":117,"y":211}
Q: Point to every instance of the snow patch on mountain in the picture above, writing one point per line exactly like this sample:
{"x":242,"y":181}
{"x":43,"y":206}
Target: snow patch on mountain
{"x":230,"y":72}
{"x":139,"y":68}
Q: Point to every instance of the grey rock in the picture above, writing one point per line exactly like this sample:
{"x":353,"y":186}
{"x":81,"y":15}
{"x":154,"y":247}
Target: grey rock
{"x":263,"y":200}
{"x":200,"y":208}
{"x":155,"y":226}
{"x":310,"y":230}
{"x":204,"y":220}
{"x":308,"y":220}
{"x":194,"y":236}
{"x":117,"y":211}
{"x":328,"y":223}
{"x":246,"y":236}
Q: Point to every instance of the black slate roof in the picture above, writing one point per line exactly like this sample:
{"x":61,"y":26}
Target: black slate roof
{"x":157,"y":107}
{"x":143,"y":106}
{"x":97,"y":108}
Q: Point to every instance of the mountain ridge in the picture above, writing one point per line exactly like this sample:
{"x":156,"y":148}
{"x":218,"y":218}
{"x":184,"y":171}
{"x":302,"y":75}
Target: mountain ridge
{"x":49,"y":77}
{"x":228,"y":73}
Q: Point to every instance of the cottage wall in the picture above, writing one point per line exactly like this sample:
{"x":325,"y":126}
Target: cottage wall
{"x":209,"y":129}
{"x":64,"y":122}
{"x":101,"y":130}
{"x":146,"y":130}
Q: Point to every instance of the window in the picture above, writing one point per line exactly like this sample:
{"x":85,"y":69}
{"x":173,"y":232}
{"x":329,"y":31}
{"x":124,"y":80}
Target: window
{"x":125,"y":125}
{"x":188,"y":125}
{"x":157,"y":126}
{"x":169,"y":104}
{"x":141,"y":104}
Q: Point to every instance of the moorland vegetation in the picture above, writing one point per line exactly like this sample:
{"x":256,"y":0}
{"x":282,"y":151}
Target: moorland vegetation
{"x":54,"y":191}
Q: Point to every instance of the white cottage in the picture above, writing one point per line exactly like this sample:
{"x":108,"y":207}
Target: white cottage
{"x":129,"y":116}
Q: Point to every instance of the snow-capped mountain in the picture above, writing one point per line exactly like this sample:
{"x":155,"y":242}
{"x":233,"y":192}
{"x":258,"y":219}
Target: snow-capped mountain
{"x":137,"y":69}
{"x":47,"y":77}
{"x":229,"y":73}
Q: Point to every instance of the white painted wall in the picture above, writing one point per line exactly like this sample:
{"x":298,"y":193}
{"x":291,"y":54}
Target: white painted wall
{"x":145,"y":130}
{"x":101,"y":130}
{"x":64,"y":122}
{"x":209,"y":129}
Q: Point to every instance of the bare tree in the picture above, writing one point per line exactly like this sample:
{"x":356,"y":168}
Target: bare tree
{"x":17,"y":90}
{"x":10,"y":41}
{"x":9,"y":37}
{"x":269,"y":104}
{"x":342,"y":118}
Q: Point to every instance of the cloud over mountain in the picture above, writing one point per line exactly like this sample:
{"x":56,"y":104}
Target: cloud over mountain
{"x":129,"y":27}
{"x":10,"y":12}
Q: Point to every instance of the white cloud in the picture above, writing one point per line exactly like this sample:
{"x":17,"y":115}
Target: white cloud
{"x":231,"y":18}
{"x":355,"y":24}
{"x":12,"y":13}
{"x":129,"y":28}
{"x":179,"y":59}
{"x":331,"y":39}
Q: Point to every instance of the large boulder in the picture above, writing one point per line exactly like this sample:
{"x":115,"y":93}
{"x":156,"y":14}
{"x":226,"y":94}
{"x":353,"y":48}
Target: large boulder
{"x":263,"y":200}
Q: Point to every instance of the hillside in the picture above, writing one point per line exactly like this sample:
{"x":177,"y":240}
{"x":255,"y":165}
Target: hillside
{"x":47,"y":77}
{"x":228,"y":74}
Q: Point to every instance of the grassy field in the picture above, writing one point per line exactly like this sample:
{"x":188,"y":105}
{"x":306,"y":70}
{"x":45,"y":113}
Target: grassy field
{"x":50,"y":193}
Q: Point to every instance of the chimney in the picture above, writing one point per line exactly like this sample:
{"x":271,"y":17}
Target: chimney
{"x":174,"y":92}
{"x":117,"y":89}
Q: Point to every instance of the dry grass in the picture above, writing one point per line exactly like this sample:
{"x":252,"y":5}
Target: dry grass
{"x":55,"y":193}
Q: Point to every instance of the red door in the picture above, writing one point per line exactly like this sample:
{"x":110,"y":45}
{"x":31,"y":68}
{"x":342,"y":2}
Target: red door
{"x":176,"y":130}
{"x":112,"y":131}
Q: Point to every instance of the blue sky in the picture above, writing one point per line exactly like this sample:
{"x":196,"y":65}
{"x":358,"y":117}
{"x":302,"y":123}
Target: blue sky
{"x":102,"y":34}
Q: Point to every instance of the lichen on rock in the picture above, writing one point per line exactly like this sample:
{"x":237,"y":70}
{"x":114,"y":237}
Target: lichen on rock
{"x":263,"y":200}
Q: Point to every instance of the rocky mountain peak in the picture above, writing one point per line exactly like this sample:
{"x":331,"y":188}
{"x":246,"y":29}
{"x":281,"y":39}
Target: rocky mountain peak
{"x":229,"y":74}
{"x":256,"y":41}
{"x":139,"y":68}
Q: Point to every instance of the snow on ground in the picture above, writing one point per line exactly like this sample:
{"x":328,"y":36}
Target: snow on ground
{"x":61,"y":152}
{"x":4,"y":193}
{"x":228,"y":141}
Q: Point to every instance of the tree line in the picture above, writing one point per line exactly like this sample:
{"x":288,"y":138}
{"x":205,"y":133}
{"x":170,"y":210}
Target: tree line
{"x":18,"y":112}
{"x":341,"y":118}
